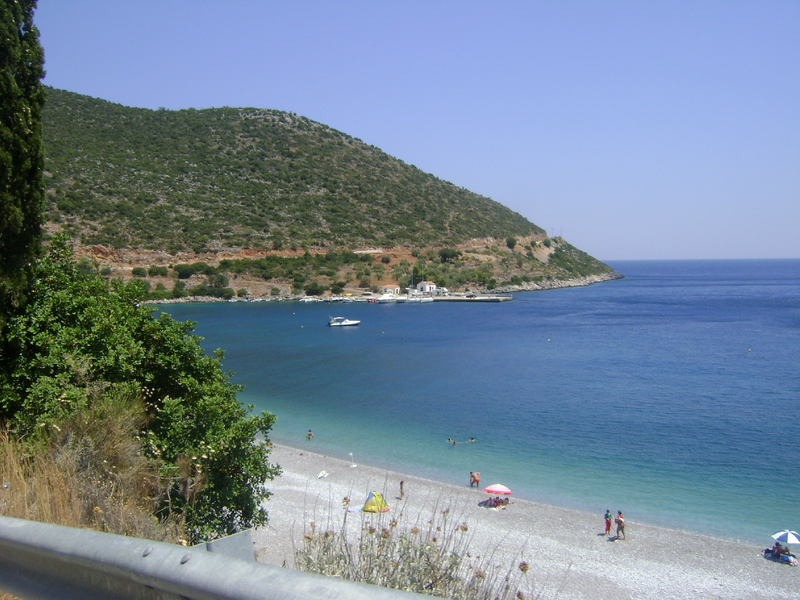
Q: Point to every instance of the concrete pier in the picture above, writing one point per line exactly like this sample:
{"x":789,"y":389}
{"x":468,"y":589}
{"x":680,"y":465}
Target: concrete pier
{"x":475,"y":298}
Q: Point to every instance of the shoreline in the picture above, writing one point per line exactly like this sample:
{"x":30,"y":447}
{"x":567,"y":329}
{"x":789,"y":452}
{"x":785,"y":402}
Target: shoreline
{"x":550,"y":284}
{"x":565,"y":548}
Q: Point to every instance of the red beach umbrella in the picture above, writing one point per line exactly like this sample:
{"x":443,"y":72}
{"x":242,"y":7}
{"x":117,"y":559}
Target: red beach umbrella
{"x":497,"y":488}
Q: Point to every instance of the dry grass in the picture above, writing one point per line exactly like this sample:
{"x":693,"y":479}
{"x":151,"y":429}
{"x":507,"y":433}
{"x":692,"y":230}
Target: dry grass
{"x":35,"y":486}
{"x":87,"y":472}
{"x":430,"y":558}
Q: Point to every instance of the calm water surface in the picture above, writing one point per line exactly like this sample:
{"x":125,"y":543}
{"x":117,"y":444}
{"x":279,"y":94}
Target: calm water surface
{"x":673,"y":394}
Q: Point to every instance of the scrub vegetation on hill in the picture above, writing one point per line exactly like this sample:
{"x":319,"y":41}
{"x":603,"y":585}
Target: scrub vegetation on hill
{"x":486,"y":268}
{"x":291,"y":195}
{"x":245,"y":178}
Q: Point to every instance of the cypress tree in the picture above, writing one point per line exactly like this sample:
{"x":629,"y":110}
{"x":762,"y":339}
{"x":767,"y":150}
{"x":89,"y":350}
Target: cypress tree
{"x":21,"y":152}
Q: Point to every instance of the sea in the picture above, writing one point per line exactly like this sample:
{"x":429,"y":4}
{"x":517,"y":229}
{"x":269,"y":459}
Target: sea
{"x":672,"y":394}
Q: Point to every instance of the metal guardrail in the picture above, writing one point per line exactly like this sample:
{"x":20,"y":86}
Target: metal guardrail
{"x":39,"y":561}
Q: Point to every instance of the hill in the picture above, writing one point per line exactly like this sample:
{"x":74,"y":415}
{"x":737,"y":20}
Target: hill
{"x":223,"y":186}
{"x":244,"y":177}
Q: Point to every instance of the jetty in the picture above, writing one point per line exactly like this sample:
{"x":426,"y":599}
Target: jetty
{"x":474,"y":298}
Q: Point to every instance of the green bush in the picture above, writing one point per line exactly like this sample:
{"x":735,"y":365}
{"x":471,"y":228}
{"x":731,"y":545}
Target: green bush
{"x":448,"y":254}
{"x":157,"y":271}
{"x":315,"y":288}
{"x":179,"y":290}
{"x":225,"y":293}
{"x":218,"y":280}
{"x":80,"y":336}
{"x":139,"y":272}
{"x":185,"y":271}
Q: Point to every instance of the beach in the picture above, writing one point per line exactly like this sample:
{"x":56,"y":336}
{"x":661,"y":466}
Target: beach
{"x":568,"y":555}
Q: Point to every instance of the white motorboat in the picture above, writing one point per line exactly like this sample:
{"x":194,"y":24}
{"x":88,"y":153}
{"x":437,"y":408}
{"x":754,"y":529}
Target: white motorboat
{"x":342,"y":322}
{"x":387,"y":298}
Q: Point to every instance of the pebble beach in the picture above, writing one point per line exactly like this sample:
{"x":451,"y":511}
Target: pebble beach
{"x":568,"y":554}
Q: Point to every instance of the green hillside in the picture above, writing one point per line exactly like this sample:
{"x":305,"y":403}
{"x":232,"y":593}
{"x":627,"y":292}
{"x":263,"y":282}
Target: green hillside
{"x":243,"y":178}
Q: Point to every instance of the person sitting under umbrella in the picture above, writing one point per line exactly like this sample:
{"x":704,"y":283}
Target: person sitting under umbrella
{"x":777,"y":549}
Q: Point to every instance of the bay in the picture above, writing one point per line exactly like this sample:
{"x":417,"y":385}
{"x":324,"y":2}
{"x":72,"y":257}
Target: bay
{"x":673,"y":394}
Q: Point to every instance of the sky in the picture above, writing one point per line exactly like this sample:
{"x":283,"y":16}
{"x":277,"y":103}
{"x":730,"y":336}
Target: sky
{"x":636,"y":130}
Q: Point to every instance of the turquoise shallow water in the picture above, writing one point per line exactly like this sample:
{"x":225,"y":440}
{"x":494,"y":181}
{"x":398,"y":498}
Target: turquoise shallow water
{"x":673,"y":394}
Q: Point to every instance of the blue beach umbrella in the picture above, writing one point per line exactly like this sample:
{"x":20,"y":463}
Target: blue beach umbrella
{"x":787,"y":537}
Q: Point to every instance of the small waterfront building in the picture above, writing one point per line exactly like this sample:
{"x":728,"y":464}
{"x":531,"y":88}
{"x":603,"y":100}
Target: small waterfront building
{"x":391,"y":288}
{"x":426,"y":287}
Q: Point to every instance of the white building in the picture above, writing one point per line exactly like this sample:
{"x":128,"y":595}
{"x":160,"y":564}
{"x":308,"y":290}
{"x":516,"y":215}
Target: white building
{"x":426,"y":287}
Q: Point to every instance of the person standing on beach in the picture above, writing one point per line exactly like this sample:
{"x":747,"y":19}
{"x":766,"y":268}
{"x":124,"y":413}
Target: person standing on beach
{"x":402,"y":493}
{"x":620,"y":521}
{"x":474,"y":479}
{"x":608,"y":518}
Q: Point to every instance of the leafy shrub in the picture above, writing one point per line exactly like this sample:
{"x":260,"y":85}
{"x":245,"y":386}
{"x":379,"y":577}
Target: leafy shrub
{"x":204,"y":290}
{"x":179,"y":290}
{"x":84,"y":265}
{"x":217,"y":280}
{"x":315,"y":288}
{"x":448,"y":254}
{"x":157,"y":271}
{"x":139,"y":272}
{"x":185,"y":271}
{"x":80,"y":336}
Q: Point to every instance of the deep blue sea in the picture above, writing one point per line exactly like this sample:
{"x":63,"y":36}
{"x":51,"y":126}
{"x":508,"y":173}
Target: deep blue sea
{"x":673,"y":394}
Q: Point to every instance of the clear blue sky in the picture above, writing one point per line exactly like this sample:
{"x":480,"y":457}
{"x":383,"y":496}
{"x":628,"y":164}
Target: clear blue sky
{"x":637,"y":130}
